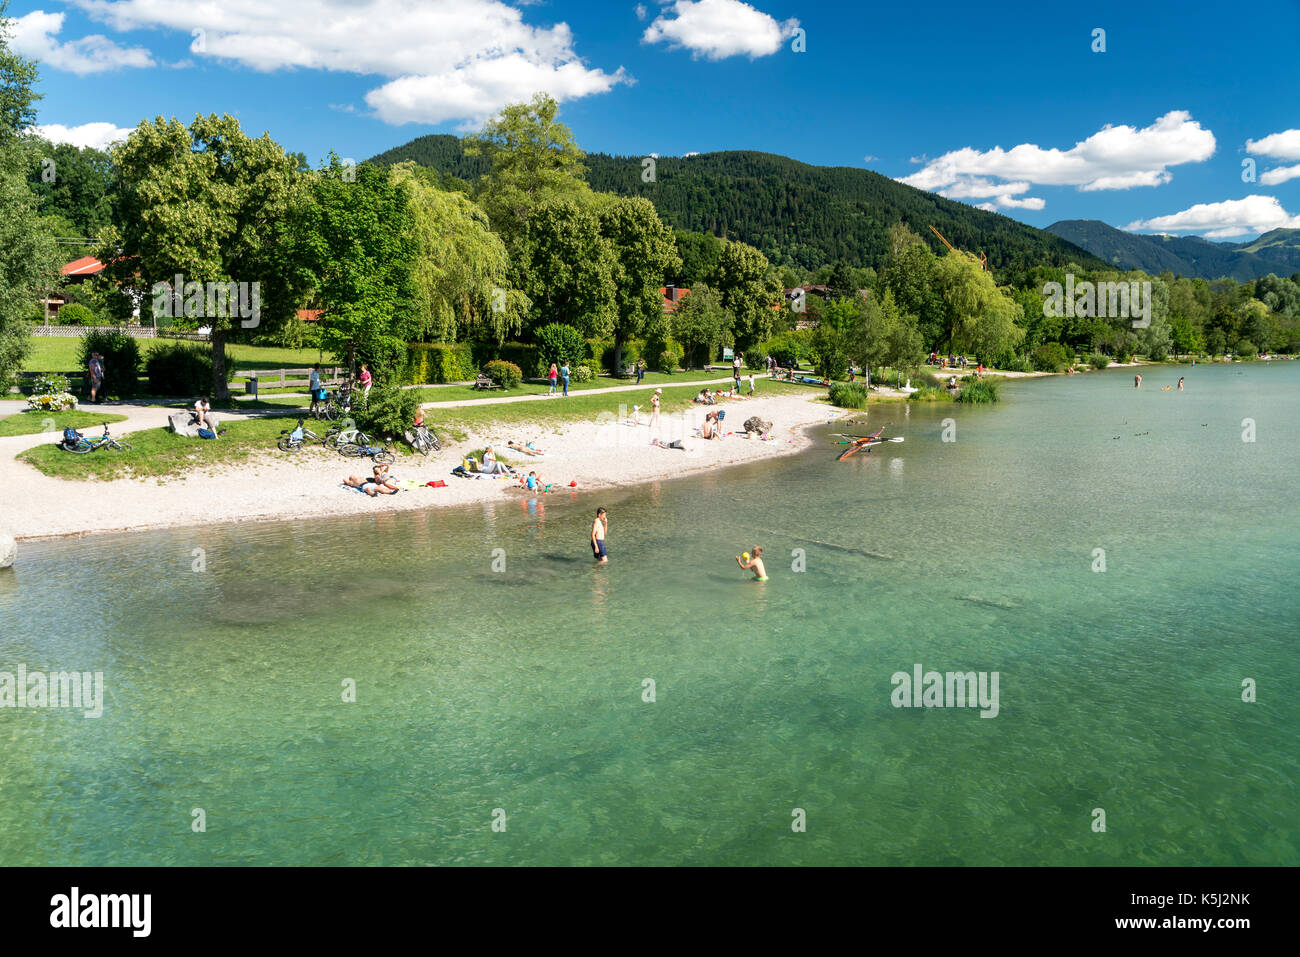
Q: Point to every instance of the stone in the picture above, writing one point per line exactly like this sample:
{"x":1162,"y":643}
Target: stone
{"x":8,"y":550}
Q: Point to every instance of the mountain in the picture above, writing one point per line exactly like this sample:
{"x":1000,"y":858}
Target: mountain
{"x":797,"y":214}
{"x":1276,"y":252}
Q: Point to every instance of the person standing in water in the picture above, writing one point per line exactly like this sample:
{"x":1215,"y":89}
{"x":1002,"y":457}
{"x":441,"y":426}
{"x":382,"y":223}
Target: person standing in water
{"x":1180,"y":383}
{"x":1137,"y":382}
{"x":598,"y":529}
{"x":755,"y":562}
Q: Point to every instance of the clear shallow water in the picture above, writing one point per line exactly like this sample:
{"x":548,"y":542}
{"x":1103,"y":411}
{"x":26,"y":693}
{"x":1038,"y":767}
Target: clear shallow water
{"x":522,"y":689}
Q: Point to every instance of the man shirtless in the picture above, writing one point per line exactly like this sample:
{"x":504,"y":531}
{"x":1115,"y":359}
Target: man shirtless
{"x":598,"y":529}
{"x":756,"y":563}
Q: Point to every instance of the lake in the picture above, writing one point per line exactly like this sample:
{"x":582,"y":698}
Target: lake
{"x":664,"y":709}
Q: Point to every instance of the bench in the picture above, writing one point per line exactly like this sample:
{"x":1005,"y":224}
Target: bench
{"x":484,"y":382}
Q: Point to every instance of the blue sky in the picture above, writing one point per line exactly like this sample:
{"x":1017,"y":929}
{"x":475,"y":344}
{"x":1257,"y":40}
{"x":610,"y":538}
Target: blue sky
{"x":1006,"y":106}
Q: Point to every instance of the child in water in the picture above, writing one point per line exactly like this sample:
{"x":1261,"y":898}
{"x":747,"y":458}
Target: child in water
{"x":756,"y":563}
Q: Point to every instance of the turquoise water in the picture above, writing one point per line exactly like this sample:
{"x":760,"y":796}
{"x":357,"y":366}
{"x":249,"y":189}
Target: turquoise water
{"x":522,"y":689}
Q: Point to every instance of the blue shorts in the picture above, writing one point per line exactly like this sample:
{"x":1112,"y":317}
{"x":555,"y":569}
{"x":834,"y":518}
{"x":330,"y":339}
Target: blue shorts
{"x":598,"y":549}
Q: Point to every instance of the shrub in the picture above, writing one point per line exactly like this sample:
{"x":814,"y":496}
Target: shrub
{"x":181,"y":369}
{"x":389,"y":413}
{"x":930,"y":393}
{"x":581,"y":371}
{"x":51,"y":394}
{"x":978,"y":391}
{"x":667,"y":356}
{"x":1245,"y":349}
{"x":75,"y":314}
{"x":849,"y":395}
{"x":788,"y":350}
{"x":121,"y":358}
{"x":557,"y":342}
{"x":1123,"y":353}
{"x":387,"y":358}
{"x":1011,"y":362}
{"x":1097,"y":360}
{"x":526,"y":357}
{"x":505,"y":374}
{"x":438,"y":362}
{"x":755,"y":358}
{"x":1050,"y":357}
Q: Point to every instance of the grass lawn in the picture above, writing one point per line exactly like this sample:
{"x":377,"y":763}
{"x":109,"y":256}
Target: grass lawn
{"x":455,"y":393}
{"x":31,"y":423}
{"x":553,"y":413}
{"x":60,"y":355}
{"x":159,"y":452}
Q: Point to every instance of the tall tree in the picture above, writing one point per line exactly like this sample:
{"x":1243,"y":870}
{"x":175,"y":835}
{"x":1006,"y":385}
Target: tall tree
{"x":700,"y":324}
{"x":534,"y":160}
{"x":359,"y":248}
{"x":26,"y":252}
{"x":977,"y":317}
{"x":462,"y":271}
{"x":213,"y":205}
{"x":644,"y":254}
{"x":749,"y":290}
{"x":566,"y":268}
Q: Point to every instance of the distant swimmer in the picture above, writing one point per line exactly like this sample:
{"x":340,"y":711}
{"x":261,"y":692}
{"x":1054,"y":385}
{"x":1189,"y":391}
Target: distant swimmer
{"x":1166,"y":388}
{"x":1137,"y":382}
{"x":1180,"y":383}
{"x":756,"y":563}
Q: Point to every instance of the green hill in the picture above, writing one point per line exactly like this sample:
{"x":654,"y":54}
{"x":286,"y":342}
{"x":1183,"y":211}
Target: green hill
{"x":1275,"y":252}
{"x":797,"y":214}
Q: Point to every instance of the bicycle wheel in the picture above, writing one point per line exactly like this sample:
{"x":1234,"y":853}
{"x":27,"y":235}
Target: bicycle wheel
{"x":287,"y":444}
{"x":435,"y":442}
{"x":352,"y":451}
{"x":80,"y":447}
{"x":383,"y":458}
{"x":119,"y":446}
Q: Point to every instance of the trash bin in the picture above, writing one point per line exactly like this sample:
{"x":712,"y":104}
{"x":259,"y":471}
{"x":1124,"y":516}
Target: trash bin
{"x":250,"y":386}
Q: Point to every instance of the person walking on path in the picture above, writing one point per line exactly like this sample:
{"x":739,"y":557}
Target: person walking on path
{"x":95,"y":368}
{"x":313,"y":386}
{"x":599,"y":528}
{"x":366,"y":382}
{"x":553,"y":374}
{"x":735,"y":370}
{"x":640,"y":370}
{"x":564,"y":374}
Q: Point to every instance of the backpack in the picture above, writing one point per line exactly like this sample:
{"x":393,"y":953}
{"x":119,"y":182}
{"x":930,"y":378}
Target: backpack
{"x":207,"y":434}
{"x":71,"y":435}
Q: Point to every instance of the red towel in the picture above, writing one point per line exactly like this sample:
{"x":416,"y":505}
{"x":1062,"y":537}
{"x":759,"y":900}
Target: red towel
{"x":438,"y":484}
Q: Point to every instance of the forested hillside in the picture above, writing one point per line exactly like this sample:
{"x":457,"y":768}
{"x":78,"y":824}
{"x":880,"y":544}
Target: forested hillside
{"x":1276,"y":252}
{"x":796,"y":214}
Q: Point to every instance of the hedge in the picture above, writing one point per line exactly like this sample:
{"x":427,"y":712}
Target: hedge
{"x":526,"y":357}
{"x":439,"y":363}
{"x":182,"y":369}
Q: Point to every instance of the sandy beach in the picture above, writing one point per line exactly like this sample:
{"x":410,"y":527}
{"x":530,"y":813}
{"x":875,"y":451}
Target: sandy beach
{"x":595,"y":454}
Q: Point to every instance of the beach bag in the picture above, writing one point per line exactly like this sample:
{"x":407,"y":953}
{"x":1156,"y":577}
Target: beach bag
{"x":469,"y":464}
{"x":207,"y":434}
{"x":71,"y":435}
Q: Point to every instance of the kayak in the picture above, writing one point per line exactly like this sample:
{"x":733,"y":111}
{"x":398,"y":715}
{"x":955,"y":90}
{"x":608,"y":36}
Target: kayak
{"x":858,"y":445}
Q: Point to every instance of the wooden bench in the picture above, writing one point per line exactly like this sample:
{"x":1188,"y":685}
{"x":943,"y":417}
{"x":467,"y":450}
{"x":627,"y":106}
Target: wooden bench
{"x":484,"y":382}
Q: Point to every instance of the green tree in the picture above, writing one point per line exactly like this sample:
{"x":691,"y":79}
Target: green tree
{"x":749,"y":291}
{"x":566,"y":268}
{"x":644,"y":255}
{"x":77,"y":184}
{"x":213,"y":205}
{"x":359,"y":249}
{"x":534,"y":160}
{"x":700,"y":324}
{"x":699,"y":253}
{"x":462,"y":270}
{"x":976,"y":315}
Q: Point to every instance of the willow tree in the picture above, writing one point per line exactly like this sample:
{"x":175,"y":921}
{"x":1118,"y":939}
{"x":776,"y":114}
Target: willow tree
{"x":976,"y":316}
{"x":461,"y":269}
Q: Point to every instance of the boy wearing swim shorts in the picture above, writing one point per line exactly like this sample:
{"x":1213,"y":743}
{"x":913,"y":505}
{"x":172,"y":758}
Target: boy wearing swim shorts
{"x":755,"y":563}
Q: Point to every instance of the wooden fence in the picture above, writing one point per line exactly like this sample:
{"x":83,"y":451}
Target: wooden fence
{"x":135,"y":332}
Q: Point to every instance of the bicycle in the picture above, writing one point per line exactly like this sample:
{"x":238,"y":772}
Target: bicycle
{"x":74,"y":441}
{"x":338,"y":436}
{"x":292,"y":440}
{"x":423,"y":440}
{"x":381,"y":455}
{"x":338,"y":404}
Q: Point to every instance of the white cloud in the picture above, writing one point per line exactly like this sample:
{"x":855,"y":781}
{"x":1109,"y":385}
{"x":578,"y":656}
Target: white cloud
{"x":1284,"y":145}
{"x":1115,"y":157}
{"x":870,"y":158}
{"x":1279,"y":174}
{"x":98,"y":135}
{"x":443,"y":59}
{"x":34,"y":35}
{"x":717,"y":29}
{"x":641,"y":12}
{"x":1232,"y":217}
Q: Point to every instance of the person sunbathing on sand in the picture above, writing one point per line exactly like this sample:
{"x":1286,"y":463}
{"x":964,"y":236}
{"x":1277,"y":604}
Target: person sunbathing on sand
{"x":380,"y":483}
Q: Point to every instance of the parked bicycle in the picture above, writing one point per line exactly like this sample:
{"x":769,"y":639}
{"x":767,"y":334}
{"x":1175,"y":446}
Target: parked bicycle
{"x":423,"y":440}
{"x":74,"y":441}
{"x":381,"y":455}
{"x":338,"y":436}
{"x":338,"y":404}
{"x":292,"y":440}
